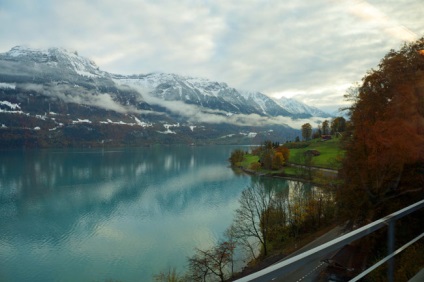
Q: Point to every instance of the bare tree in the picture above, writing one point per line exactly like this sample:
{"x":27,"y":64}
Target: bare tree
{"x":212,"y":262}
{"x":198,"y":267}
{"x":252,"y":217}
{"x":231,"y":238}
{"x":170,"y":276}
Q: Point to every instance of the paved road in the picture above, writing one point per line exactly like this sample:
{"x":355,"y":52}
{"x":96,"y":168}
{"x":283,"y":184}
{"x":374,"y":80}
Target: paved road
{"x":310,"y":270}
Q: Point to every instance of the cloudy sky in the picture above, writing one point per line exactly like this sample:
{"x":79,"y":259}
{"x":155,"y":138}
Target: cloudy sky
{"x":312,"y":50}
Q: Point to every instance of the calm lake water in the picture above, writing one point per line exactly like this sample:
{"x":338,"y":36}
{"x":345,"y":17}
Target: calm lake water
{"x":112,"y":214}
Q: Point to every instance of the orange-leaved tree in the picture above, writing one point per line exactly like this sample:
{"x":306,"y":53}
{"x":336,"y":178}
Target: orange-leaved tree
{"x":387,"y":134}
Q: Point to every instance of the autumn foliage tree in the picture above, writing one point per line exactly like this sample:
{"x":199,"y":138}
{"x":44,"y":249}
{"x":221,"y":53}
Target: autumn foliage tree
{"x":284,"y":151}
{"x":326,"y":127}
{"x":280,"y":157}
{"x":338,"y":125}
{"x":385,"y":146}
{"x":236,"y":157}
{"x":306,"y":131}
{"x":272,"y":156}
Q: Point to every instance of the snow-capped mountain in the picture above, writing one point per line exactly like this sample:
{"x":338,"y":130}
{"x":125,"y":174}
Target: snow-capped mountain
{"x":62,"y":98}
{"x":204,"y":93}
{"x":298,"y":108}
{"x":64,"y":63}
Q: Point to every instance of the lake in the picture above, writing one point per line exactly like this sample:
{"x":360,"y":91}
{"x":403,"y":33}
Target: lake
{"x":112,"y":214}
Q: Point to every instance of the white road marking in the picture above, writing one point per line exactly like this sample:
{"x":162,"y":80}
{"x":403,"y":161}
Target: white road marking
{"x":312,"y":271}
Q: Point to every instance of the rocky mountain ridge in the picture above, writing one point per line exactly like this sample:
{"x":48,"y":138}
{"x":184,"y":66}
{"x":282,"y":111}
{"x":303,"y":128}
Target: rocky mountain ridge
{"x":58,"y":98}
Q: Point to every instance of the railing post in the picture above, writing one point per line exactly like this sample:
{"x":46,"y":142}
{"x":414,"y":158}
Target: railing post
{"x":390,"y":250}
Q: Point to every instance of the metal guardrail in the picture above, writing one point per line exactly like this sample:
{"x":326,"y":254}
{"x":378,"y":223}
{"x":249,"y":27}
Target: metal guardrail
{"x":286,"y":266}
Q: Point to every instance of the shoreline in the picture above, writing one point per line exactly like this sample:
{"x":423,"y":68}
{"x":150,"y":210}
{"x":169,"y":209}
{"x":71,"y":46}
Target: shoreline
{"x":334,"y":174}
{"x":286,"y":252}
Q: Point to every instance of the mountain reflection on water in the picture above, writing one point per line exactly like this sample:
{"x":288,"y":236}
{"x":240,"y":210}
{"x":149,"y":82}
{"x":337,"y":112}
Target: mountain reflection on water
{"x":124,"y":214}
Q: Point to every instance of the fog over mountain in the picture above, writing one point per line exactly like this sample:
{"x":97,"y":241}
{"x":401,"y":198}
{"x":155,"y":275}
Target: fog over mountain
{"x":55,"y":97}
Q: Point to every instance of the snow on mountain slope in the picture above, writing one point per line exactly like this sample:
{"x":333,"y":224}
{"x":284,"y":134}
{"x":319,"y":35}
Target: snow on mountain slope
{"x":267,"y":105}
{"x":58,"y":60}
{"x":299,"y":108}
{"x":57,"y":64}
{"x":194,"y":91}
{"x":70,"y":101}
{"x":204,"y":93}
{"x":66,"y":77}
{"x":217,"y":95}
{"x":171,"y":82}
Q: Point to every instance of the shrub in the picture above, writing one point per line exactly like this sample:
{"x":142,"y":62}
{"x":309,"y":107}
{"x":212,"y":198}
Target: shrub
{"x":236,"y":157}
{"x":296,"y":145}
{"x":255,"y":166}
{"x":277,"y":161}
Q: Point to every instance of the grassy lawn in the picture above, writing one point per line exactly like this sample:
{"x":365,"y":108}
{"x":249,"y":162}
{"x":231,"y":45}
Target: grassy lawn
{"x":249,"y":159}
{"x":329,"y":153}
{"x":291,"y":171}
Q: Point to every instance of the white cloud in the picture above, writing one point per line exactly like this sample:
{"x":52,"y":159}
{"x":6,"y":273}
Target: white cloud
{"x":328,"y":98}
{"x":80,"y":96}
{"x":198,"y":114}
{"x":375,"y":18}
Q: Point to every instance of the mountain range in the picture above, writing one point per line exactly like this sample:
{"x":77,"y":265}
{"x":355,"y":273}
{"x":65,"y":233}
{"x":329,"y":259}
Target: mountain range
{"x":55,"y":98}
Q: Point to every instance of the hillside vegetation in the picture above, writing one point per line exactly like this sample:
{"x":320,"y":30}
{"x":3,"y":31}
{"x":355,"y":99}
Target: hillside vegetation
{"x":298,"y":162}
{"x":330,"y":153}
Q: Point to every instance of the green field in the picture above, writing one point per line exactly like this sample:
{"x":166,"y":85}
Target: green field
{"x":249,"y":159}
{"x":329,"y":157}
{"x":330,"y":153}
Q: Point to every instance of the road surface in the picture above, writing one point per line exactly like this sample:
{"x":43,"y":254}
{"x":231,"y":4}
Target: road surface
{"x":310,"y":270}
